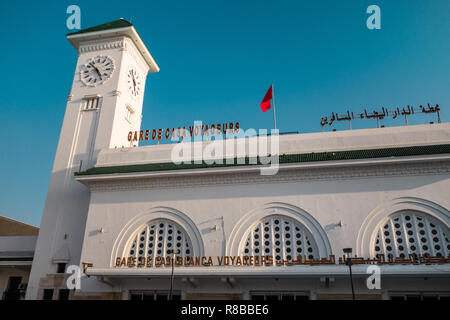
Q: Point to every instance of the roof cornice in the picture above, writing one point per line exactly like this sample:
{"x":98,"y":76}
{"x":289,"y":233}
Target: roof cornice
{"x":77,"y":39}
{"x":431,"y":162}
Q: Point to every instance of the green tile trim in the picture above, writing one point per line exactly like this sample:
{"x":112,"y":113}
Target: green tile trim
{"x":292,"y":158}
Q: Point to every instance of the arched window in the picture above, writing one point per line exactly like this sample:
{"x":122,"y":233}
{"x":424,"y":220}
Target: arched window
{"x":411,"y":232}
{"x":280,"y":237}
{"x":158,"y":238}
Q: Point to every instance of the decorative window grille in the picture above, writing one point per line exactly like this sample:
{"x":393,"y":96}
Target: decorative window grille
{"x":410,"y":232}
{"x":158,"y":238}
{"x":91,"y":103}
{"x":280,"y":237}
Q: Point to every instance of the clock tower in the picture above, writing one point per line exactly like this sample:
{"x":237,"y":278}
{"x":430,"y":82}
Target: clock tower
{"x":104,"y":104}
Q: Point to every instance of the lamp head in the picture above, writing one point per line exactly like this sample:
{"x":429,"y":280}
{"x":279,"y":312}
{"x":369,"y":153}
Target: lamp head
{"x":347,"y":251}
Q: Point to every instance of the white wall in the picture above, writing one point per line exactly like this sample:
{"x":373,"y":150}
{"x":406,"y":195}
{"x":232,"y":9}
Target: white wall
{"x":348,"y":201}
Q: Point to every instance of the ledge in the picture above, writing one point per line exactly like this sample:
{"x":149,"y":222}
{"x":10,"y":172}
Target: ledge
{"x":297,"y":271}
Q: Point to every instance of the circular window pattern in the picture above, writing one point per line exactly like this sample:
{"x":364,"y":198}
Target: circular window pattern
{"x":158,"y":238}
{"x":284,"y":239}
{"x":409,"y":232}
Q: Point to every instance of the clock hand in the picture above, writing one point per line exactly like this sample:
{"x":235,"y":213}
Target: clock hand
{"x":96,"y":70}
{"x":134,"y":83}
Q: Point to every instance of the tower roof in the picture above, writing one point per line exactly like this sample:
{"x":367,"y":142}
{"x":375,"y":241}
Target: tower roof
{"x":115,"y":28}
{"x":120,"y":23}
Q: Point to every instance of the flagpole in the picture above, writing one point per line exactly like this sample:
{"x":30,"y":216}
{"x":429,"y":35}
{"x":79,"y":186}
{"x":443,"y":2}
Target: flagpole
{"x":273,"y":101}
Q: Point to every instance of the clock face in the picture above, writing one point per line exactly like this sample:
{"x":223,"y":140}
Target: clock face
{"x":134,"y":82}
{"x":96,"y":70}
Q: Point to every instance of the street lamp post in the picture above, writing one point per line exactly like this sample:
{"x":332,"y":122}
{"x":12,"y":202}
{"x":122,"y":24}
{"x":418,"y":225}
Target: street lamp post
{"x":174,"y":253}
{"x":348,"y":261}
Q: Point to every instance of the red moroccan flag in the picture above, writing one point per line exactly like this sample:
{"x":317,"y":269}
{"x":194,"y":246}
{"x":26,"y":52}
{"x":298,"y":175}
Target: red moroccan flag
{"x":265,"y":104}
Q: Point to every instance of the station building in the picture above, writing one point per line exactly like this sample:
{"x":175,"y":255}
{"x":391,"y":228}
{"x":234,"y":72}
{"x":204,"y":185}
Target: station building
{"x":118,"y":211}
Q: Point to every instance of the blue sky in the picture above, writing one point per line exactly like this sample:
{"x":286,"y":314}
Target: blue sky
{"x":217,"y":60}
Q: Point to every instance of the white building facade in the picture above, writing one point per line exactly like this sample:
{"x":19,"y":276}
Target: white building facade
{"x":117,"y":211}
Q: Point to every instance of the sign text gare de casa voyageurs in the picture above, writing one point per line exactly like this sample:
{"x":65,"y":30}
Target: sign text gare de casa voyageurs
{"x":182,"y":132}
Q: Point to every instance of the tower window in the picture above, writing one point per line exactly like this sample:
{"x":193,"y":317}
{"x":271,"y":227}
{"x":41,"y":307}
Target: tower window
{"x":91,"y":102}
{"x":61,"y":268}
